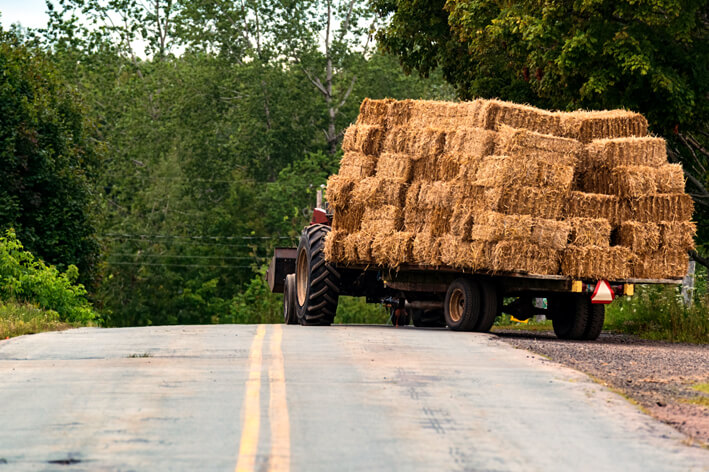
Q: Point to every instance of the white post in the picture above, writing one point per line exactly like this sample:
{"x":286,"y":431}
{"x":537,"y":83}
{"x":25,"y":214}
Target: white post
{"x":688,"y":284}
{"x":318,"y":198}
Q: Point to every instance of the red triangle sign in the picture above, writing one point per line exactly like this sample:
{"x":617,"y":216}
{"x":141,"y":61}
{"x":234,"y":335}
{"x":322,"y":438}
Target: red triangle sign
{"x":603,"y":293}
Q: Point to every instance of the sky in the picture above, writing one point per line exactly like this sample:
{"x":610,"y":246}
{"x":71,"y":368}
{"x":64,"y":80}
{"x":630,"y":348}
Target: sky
{"x":29,"y":13}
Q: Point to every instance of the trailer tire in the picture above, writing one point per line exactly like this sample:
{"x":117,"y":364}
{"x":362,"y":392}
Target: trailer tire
{"x":490,"y":307}
{"x":596,"y":317}
{"x":570,"y":315}
{"x":290,"y":316}
{"x":462,"y":305}
{"x":317,"y":281}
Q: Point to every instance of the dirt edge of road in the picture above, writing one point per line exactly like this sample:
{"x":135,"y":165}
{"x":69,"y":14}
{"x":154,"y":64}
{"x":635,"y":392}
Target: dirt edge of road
{"x":662,"y":379}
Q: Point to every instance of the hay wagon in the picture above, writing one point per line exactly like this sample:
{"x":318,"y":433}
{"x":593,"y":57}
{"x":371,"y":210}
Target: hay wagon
{"x":444,"y":211}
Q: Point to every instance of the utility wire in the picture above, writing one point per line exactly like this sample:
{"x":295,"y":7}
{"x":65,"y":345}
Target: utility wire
{"x":182,"y":256}
{"x":179,"y":265}
{"x":172,"y":236}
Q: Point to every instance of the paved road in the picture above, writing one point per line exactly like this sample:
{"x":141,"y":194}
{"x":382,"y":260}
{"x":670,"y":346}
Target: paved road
{"x":223,"y":398}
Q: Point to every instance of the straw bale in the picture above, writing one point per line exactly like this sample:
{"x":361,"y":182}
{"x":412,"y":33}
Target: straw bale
{"x":412,"y":196}
{"x":396,"y":140}
{"x":424,"y":168}
{"x":493,"y":226}
{"x":355,"y":165}
{"x":472,"y":142}
{"x":435,"y":221}
{"x":395,"y":166}
{"x":358,"y":248}
{"x":610,"y":153}
{"x":553,"y":234}
{"x":593,"y":205}
{"x":670,"y":178}
{"x":677,"y":235}
{"x":498,"y":171}
{"x":495,"y":113}
{"x":339,"y":190}
{"x":374,"y":191}
{"x":593,"y":262}
{"x":394,"y":249}
{"x":633,"y":181}
{"x":435,"y":195}
{"x":427,"y":250}
{"x":661,"y":207}
{"x":374,"y":112}
{"x":587,"y":126}
{"x":334,"y":249}
{"x":426,"y":142}
{"x":366,"y":139}
{"x":449,"y":246}
{"x":461,"y":222}
{"x":661,"y":264}
{"x":523,"y":256}
{"x":449,"y":166}
{"x":399,"y":112}
{"x":641,"y":238}
{"x":542,"y":147}
{"x":456,"y":253}
{"x":382,"y":219}
{"x":590,"y":232}
{"x":348,"y":219}
{"x":541,"y":202}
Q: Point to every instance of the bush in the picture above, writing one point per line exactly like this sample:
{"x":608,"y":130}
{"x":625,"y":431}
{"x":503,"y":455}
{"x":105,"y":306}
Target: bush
{"x":27,"y":280}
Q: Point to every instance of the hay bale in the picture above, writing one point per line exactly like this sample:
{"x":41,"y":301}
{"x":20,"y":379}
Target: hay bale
{"x":542,"y":147}
{"x":663,"y":264}
{"x":593,"y":262}
{"x":349,"y":219}
{"x":524,"y":257}
{"x":633,"y":181}
{"x":461,"y":222}
{"x":400,"y":113}
{"x":427,"y":250}
{"x":677,"y":235}
{"x":474,"y":256}
{"x":339,"y":191}
{"x":424,"y":168}
{"x":449,"y":166}
{"x":593,"y":205}
{"x":641,"y":238}
{"x":610,"y":153}
{"x":374,"y":112}
{"x":471,"y":142}
{"x":366,"y":139}
{"x":377,"y":191}
{"x":541,"y":202}
{"x":507,"y":171}
{"x":395,"y":166}
{"x":435,"y":195}
{"x":393,"y":249}
{"x":492,"y":226}
{"x":358,"y":248}
{"x":670,"y":178}
{"x":334,"y":247}
{"x":426,"y":142}
{"x":396,"y":140}
{"x":382,"y":219}
{"x":587,"y":126}
{"x":355,"y":165}
{"x":589,"y":232}
{"x":552,"y":234}
{"x":660,"y":207}
{"x":494,"y":113}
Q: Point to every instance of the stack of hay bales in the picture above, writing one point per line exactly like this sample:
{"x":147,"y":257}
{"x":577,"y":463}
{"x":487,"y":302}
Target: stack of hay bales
{"x":497,"y":187}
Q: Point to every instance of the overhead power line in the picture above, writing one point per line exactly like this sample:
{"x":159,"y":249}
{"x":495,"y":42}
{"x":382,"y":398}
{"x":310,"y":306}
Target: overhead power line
{"x":209,"y":266}
{"x":176,"y":236}
{"x":184,"y":256}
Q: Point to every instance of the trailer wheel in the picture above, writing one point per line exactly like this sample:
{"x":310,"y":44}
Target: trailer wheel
{"x":596,"y":317}
{"x":462,"y":305}
{"x":290,"y":316}
{"x":570,"y":315}
{"x":428,"y":318}
{"x":490,"y":308}
{"x":317,"y":282}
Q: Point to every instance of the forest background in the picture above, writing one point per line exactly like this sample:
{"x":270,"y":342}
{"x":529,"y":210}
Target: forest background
{"x":165,"y":147}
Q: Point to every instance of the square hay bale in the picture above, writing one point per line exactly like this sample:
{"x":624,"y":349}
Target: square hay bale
{"x":392,"y":250}
{"x":595,"y":263}
{"x":400,"y":112}
{"x":367,"y":139}
{"x":334,"y":247}
{"x":543,"y":147}
{"x":382,"y":219}
{"x":424,"y":168}
{"x":494,"y":113}
{"x":448,"y":248}
{"x":471,"y":142}
{"x":396,"y":140}
{"x":376,"y":191}
{"x":348,"y":219}
{"x":610,"y":153}
{"x":374,"y":112}
{"x":677,"y":235}
{"x":476,"y":255}
{"x":437,"y":221}
{"x":593,"y":205}
{"x":553,"y":234}
{"x":660,"y":207}
{"x":426,"y":142}
{"x":670,"y":264}
{"x":493,"y":226}
{"x":338,"y":191}
{"x":395,"y":166}
{"x":633,"y":181}
{"x":355,"y":165}
{"x":670,"y":178}
{"x":461,"y":222}
{"x":412,"y":195}
{"x":508,"y":171}
{"x":590,"y":232}
{"x":358,"y":248}
{"x":525,"y":257}
{"x":435,"y":195}
{"x":587,"y":126}
{"x":449,"y":166}
{"x":641,"y":238}
{"x":427,"y":250}
{"x":540,"y":202}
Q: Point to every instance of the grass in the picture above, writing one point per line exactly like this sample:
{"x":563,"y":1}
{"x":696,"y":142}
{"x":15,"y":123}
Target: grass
{"x":19,"y":319}
{"x":506,"y":322}
{"x":701,"y":387}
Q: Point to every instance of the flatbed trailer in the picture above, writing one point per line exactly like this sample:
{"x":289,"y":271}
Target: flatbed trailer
{"x":439,"y":296}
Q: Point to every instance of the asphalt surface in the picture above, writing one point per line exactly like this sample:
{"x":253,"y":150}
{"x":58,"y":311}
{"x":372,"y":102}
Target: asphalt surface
{"x":222,"y":398}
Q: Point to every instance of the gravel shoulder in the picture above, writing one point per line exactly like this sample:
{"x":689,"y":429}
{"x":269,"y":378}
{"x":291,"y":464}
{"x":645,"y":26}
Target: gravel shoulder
{"x":660,"y":377}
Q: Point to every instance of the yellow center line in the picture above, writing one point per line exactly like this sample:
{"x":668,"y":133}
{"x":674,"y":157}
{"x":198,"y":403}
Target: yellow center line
{"x":248,"y":445}
{"x":278,"y":408}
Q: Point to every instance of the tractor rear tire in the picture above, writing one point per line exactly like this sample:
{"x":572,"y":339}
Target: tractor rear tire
{"x":317,"y":281}
{"x":290,"y":316}
{"x":462,"y":305}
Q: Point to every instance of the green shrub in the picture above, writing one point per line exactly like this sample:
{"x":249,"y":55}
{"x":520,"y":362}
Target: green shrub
{"x":27,"y":280}
{"x":17,"y":319}
{"x":256,"y":303}
{"x":354,"y":310}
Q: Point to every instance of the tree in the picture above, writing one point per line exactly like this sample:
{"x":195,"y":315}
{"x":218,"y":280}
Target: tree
{"x":48,"y":160}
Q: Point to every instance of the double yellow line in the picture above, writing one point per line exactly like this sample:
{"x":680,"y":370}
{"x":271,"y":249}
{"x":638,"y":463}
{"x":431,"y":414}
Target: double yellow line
{"x":279,"y":458}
